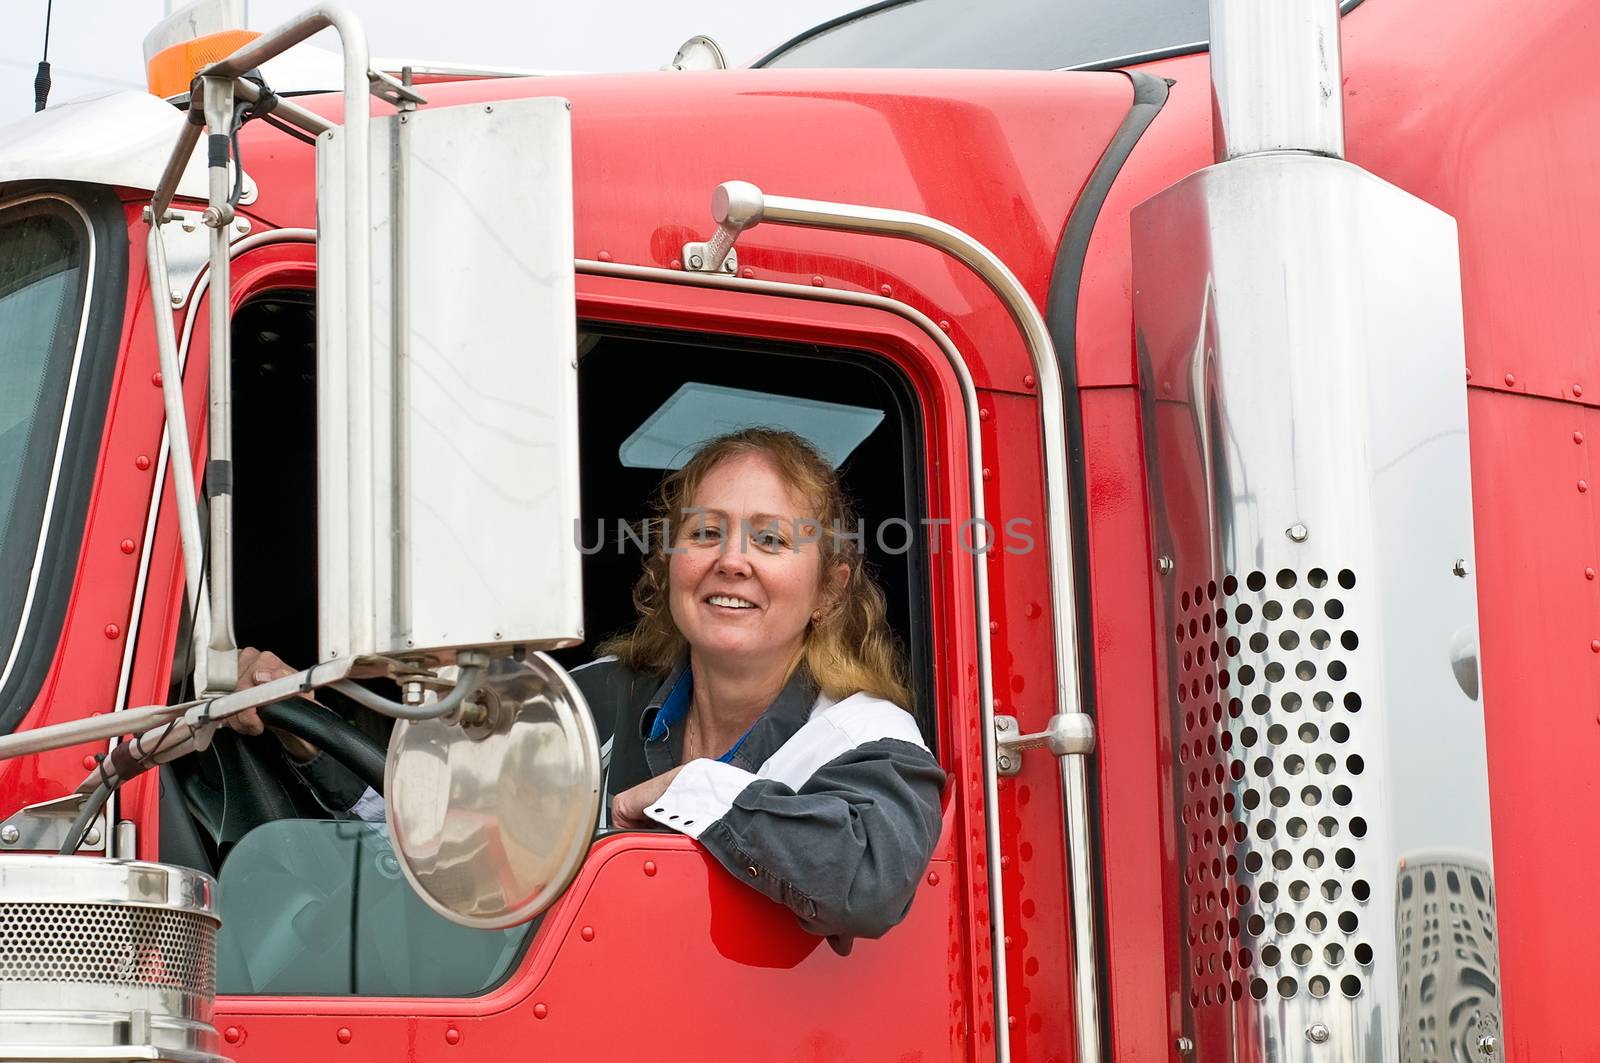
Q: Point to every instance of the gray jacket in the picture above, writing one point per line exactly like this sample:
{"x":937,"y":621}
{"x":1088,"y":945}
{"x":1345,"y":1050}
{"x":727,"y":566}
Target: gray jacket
{"x":830,"y":808}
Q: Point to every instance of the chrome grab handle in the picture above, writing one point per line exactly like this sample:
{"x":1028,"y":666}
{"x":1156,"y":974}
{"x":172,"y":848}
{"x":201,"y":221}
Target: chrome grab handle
{"x":739,"y":205}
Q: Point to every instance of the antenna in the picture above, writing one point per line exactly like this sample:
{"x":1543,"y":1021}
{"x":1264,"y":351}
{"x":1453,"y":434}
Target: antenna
{"x":41,"y":80}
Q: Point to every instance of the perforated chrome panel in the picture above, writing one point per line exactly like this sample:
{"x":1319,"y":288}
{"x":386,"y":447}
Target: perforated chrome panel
{"x":1274,"y":771}
{"x":108,"y":944}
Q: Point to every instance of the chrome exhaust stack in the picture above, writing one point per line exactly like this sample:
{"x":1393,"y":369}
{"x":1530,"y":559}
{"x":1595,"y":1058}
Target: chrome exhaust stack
{"x":105,"y":961}
{"x":1275,"y":77}
{"x":1299,"y":327}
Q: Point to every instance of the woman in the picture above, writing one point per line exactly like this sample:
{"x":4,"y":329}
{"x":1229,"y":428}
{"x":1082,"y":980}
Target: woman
{"x":758,"y":695}
{"x":757,"y":699}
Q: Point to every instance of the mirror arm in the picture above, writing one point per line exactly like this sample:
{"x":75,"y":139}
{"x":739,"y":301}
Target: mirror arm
{"x":474,"y":670}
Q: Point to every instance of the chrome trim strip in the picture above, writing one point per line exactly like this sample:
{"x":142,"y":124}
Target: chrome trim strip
{"x":66,"y":420}
{"x":980,"y":572}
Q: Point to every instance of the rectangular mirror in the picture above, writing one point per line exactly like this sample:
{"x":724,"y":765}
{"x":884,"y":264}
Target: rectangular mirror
{"x":448,"y":454}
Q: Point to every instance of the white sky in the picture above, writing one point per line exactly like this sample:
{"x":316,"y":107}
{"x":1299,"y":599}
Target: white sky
{"x":95,"y":45}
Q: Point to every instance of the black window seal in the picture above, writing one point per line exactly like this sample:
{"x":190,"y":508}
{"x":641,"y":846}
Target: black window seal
{"x":39,"y":630}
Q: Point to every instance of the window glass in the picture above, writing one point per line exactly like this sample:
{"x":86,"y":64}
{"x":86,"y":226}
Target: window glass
{"x":1000,"y":34}
{"x":321,"y":908}
{"x":43,"y":279}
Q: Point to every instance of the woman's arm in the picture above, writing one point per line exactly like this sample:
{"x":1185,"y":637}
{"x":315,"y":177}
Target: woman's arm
{"x":838,"y":825}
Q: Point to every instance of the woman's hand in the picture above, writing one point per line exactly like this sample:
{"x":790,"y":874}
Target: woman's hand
{"x":627,"y":808}
{"x":263,"y":666}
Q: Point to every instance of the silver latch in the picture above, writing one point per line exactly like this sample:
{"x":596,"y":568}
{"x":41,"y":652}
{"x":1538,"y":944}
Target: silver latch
{"x":1067,"y":734}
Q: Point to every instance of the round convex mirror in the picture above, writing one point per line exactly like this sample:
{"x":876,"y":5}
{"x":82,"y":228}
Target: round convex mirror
{"x":493,"y":809}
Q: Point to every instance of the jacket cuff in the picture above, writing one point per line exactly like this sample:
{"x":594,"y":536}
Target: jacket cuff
{"x":700,"y":794}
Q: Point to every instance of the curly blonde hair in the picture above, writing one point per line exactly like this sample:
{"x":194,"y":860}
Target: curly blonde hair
{"x":850,"y":648}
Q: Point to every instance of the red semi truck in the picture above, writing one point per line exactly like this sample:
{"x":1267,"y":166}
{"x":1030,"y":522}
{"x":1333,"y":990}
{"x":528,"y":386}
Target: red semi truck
{"x":1219,"y":415}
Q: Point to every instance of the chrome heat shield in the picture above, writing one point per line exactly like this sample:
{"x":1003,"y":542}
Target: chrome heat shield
{"x":1299,"y":328}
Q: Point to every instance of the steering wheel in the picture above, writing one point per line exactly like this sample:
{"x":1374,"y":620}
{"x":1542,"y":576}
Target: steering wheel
{"x":331,"y":734}
{"x":240,"y":783}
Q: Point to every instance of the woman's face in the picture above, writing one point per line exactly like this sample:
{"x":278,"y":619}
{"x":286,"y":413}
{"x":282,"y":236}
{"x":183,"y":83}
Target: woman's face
{"x":744,"y":580}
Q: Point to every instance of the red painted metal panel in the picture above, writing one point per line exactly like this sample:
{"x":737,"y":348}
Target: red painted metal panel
{"x":1538,"y":546}
{"x":657,"y":952}
{"x":1133,"y":749}
{"x":1000,"y":154}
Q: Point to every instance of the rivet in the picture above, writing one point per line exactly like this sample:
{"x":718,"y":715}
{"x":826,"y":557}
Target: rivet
{"x":1583,"y":485}
{"x":540,"y":1011}
{"x":649,"y":867}
{"x":984,"y":415}
{"x":92,"y":837}
{"x":1511,"y":379}
{"x":988,"y":474}
{"x":588,"y":933}
{"x":1028,"y":381}
{"x":1588,"y":573}
{"x":344,"y":1035}
{"x":1577,"y":390}
{"x":1008,"y":941}
{"x":604,"y":256}
{"x":9,"y":834}
{"x":746,"y":272}
{"x":994,"y":626}
{"x":1469,"y":372}
{"x":1297,"y":533}
{"x":89,"y":762}
{"x":1460,"y":567}
{"x":142,"y":462}
{"x":113,"y":631}
{"x":1577,"y":437}
{"x":128,"y":546}
{"x":1184,"y":1045}
{"x":452,"y":1036}
{"x":233,"y":1035}
{"x":1164,"y":565}
{"x":1595,"y":645}
{"x":1005,"y":862}
{"x":886,"y":291}
{"x":1317,"y":1034}
{"x":816,"y":282}
{"x":1011,"y":1020}
{"x":933,"y":878}
{"x":676,"y":263}
{"x":155,"y":378}
{"x":944,"y":326}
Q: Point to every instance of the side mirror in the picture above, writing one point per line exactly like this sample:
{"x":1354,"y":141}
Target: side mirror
{"x":448,"y":441}
{"x":492,"y":809}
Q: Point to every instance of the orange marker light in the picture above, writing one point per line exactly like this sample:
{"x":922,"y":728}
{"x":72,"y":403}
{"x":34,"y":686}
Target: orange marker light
{"x":169,"y":72}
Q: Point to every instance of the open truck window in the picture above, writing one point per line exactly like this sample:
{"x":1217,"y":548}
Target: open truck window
{"x":317,"y":906}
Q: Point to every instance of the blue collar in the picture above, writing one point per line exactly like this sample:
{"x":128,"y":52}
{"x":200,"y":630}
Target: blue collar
{"x":675,"y":710}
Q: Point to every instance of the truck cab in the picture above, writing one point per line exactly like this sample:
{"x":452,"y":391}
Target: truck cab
{"x":1222,"y":464}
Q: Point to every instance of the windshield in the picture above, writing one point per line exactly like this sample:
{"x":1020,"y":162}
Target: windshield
{"x":43,"y":281}
{"x":999,"y":34}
